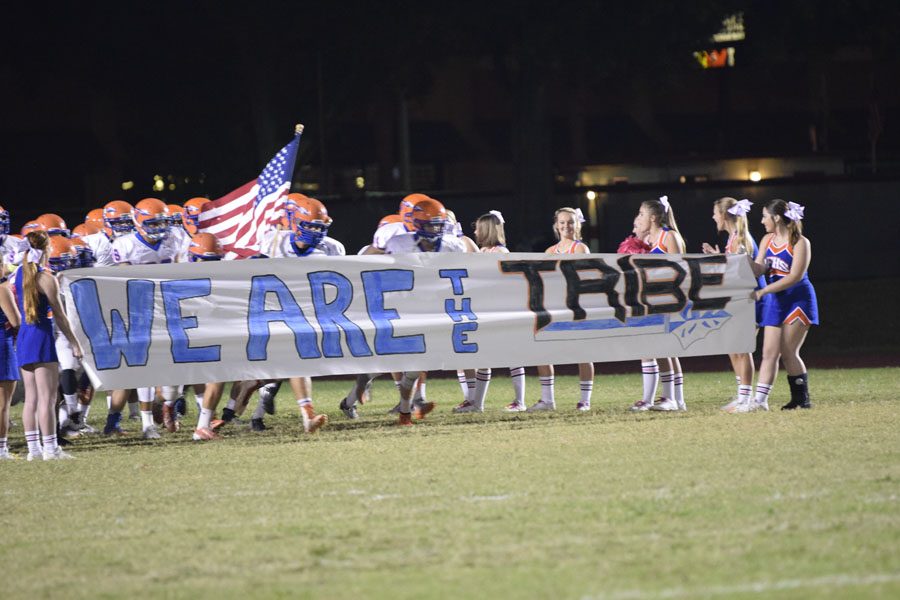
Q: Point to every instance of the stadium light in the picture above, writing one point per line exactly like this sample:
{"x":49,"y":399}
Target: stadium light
{"x":754,"y":176}
{"x":591,"y":195}
{"x":159,"y":185}
{"x":360,"y":182}
{"x":127,"y":185}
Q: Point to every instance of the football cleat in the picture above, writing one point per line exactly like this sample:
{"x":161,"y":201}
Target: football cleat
{"x":395,"y":410}
{"x":466,"y":407}
{"x":420,"y":411}
{"x":735,"y":400}
{"x":583,"y":406}
{"x":204,"y":434}
{"x":33,"y":456}
{"x":641,"y":405}
{"x":541,"y":406}
{"x":350,"y":412}
{"x":150,"y":433}
{"x":515,"y":407}
{"x":257,"y":425}
{"x":405,"y":420}
{"x":665,"y":405}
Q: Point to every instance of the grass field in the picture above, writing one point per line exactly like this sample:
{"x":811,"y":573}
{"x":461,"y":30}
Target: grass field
{"x":602,"y":505}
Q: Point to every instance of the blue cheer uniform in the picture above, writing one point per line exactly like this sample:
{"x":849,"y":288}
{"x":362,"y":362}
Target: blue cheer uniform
{"x":798,"y":302}
{"x":36,"y":342}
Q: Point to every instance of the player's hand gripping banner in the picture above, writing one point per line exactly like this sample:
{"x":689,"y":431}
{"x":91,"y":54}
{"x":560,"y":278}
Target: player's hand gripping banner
{"x":186,"y":323}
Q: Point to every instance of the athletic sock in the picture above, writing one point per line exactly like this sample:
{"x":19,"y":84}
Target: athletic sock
{"x":482,"y":382}
{"x":518,"y":381}
{"x":231,"y":404}
{"x":463,"y":384}
{"x":4,"y":445}
{"x":133,"y":408}
{"x":744,"y":392}
{"x":587,"y":387}
{"x":762,"y":393}
{"x":113,"y":421}
{"x":71,"y":403}
{"x":547,"y":391}
{"x":650,"y":377}
{"x":678,"y":385}
{"x":33,"y":439}
{"x":146,"y":419}
{"x":667,"y":385}
{"x":198,"y":398}
{"x":204,"y":418}
{"x":84,"y":409}
{"x":419,"y":392}
{"x":470,"y":389}
{"x":259,"y":412}
{"x":50,"y":444}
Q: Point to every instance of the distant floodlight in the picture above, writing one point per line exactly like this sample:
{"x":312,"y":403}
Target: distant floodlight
{"x":159,"y":185}
{"x":591,"y":195}
{"x":360,"y":182}
{"x":127,"y":185}
{"x":682,"y":179}
{"x":754,"y":176}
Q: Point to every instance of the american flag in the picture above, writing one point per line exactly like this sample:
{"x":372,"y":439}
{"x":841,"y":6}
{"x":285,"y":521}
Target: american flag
{"x":239,"y":219}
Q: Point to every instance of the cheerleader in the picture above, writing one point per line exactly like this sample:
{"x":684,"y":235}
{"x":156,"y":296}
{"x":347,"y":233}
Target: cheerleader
{"x":657,"y":218}
{"x":9,"y":368}
{"x":567,"y":227}
{"x":789,"y":304}
{"x":490,"y":237}
{"x":730,"y":216}
{"x":37,"y":293}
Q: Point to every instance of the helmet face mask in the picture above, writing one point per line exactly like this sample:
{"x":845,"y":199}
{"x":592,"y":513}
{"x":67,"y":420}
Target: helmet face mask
{"x":429,"y":220}
{"x":117,"y":219}
{"x":4,"y":221}
{"x":431,"y":229}
{"x":309,"y":222}
{"x":62,"y":256}
{"x":151,"y":218}
{"x":61,"y":263}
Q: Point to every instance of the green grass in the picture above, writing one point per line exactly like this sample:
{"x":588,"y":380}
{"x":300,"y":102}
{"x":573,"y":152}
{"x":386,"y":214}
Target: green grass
{"x":602,"y":505}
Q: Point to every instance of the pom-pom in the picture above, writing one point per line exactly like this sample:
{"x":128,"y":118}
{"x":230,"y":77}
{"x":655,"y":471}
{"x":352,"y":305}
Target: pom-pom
{"x":632,"y":245}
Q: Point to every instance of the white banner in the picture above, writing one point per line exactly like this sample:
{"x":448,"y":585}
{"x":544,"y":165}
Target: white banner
{"x":169,"y":324}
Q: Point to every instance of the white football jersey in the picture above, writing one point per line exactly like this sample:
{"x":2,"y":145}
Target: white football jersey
{"x":386,"y":232}
{"x":184,"y":243}
{"x":13,"y":250}
{"x":101,"y":247}
{"x":279,"y":245}
{"x":408,"y":243}
{"x":135,"y":250}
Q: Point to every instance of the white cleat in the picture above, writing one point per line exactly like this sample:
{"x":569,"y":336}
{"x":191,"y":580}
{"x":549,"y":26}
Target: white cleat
{"x":751,"y":406}
{"x":5,"y":454}
{"x":150,"y":433}
{"x":735,"y":401}
{"x":514,"y":407}
{"x":682,"y":407}
{"x":583,"y":406}
{"x":59,"y":454}
{"x":641,"y":405}
{"x":665,"y":405}
{"x":33,"y":456}
{"x":541,"y":406}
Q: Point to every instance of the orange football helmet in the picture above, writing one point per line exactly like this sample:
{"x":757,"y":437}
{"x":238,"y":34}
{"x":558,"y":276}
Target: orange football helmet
{"x":205,"y":246}
{"x":31,"y":226}
{"x":62,"y":254}
{"x":190,"y":217}
{"x":429,"y":219}
{"x":83,"y":229}
{"x":310,"y":222}
{"x":83,"y":250}
{"x":151,"y":219}
{"x":95,"y":216}
{"x":389,"y":219}
{"x":406,"y":207}
{"x":117,"y":220}
{"x":54,"y":224}
{"x":289,"y":208}
{"x":175,"y":212}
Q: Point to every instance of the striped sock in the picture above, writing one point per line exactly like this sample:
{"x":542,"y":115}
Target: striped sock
{"x":547,"y":395}
{"x":667,"y":384}
{"x":650,"y":377}
{"x":470,"y":389}
{"x":33,"y":439}
{"x":518,"y":381}
{"x":679,"y":389}
{"x":49,"y":443}
{"x":762,"y":393}
{"x":4,"y":445}
{"x":587,"y":387}
{"x":482,"y":382}
{"x":463,"y":385}
{"x":744,"y":392}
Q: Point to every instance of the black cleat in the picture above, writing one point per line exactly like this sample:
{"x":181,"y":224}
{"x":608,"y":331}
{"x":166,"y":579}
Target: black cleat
{"x":257,"y":425}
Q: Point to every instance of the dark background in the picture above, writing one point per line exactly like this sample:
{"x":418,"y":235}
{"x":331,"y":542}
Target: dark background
{"x":484,"y":105}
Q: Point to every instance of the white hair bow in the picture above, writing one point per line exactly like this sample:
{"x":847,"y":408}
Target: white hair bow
{"x":497,"y":214}
{"x":741,"y":208}
{"x":794,"y":211}
{"x":33,"y":255}
{"x":579,"y":215}
{"x":664,"y":200}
